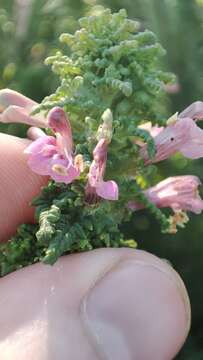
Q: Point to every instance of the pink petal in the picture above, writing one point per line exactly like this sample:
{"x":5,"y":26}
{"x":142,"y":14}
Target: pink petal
{"x":60,"y":124}
{"x":10,"y":97}
{"x":184,"y":136}
{"x":40,"y":154}
{"x":171,"y":138}
{"x":40,"y":164}
{"x":196,"y":206}
{"x":177,"y":193}
{"x":34,"y":133}
{"x":16,"y":114}
{"x":194,"y":111}
{"x":16,"y":107}
{"x":107,"y":190}
{"x":72,"y":172}
{"x":38,"y":145}
{"x":193,"y":147}
{"x":93,"y":174}
{"x":44,"y":159}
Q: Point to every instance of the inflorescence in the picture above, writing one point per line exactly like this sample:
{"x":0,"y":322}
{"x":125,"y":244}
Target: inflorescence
{"x":103,"y":131}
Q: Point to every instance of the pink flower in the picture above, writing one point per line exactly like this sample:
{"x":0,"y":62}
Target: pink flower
{"x":15,"y":107}
{"x":96,"y":186}
{"x":53,"y":156}
{"x":194,"y":111}
{"x":182,"y":136}
{"x":178,"y":193}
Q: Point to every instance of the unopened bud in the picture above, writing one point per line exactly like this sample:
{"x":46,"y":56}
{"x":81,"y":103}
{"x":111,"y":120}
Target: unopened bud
{"x":173,"y":119}
{"x":105,"y":130}
{"x":79,"y":162}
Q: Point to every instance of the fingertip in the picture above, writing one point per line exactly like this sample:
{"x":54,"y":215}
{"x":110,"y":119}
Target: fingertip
{"x":139,"y":309}
{"x":120,"y":304}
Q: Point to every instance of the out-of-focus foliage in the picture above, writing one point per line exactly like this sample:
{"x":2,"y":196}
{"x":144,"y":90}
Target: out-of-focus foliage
{"x":179,"y":27}
{"x":30,"y":34}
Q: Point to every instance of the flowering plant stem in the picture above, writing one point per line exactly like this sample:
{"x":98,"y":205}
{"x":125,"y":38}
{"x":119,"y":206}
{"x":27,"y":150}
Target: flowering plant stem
{"x":104,"y":130}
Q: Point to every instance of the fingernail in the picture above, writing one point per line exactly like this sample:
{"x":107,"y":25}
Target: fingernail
{"x":137,"y":312}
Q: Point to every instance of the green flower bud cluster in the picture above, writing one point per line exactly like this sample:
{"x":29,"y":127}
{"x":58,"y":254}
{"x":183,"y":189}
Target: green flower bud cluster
{"x":111,"y":65}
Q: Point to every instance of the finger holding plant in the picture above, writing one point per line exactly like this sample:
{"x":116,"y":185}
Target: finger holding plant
{"x":102,"y":130}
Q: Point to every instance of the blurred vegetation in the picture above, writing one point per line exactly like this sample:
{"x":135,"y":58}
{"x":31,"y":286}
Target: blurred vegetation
{"x":29,"y":31}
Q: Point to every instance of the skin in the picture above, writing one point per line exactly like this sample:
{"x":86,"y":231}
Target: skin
{"x":103,"y":304}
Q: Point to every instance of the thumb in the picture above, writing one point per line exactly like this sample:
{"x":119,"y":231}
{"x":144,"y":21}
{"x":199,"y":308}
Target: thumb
{"x":18,"y":185}
{"x":104,"y":304}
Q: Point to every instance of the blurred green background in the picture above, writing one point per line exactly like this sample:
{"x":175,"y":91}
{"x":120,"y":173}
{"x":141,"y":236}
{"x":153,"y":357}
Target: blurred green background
{"x":29,"y":31}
